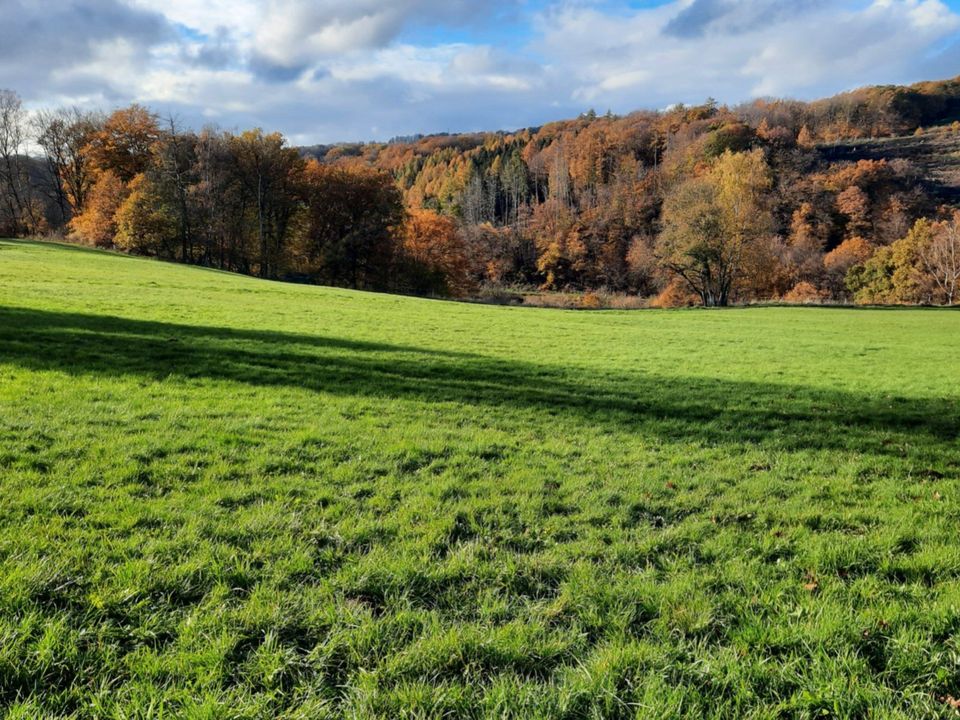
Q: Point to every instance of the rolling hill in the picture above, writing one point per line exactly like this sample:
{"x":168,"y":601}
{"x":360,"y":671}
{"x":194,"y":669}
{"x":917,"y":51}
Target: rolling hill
{"x":230,"y":498}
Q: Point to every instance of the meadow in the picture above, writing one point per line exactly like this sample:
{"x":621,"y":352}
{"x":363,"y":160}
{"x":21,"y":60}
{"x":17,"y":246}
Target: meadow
{"x":222,"y":497}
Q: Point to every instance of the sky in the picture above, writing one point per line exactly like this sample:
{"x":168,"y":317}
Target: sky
{"x":323,"y":71}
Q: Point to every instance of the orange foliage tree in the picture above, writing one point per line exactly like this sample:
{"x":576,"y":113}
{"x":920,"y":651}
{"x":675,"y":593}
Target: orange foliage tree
{"x":435,"y":254}
{"x":97,"y":224}
{"x":124,"y":144}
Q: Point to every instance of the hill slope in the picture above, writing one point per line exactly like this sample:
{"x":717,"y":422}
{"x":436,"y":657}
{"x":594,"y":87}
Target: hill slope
{"x":224,"y":497}
{"x":935,"y":154}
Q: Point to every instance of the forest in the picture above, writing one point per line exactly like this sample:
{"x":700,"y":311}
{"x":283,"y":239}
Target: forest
{"x":707,"y":204}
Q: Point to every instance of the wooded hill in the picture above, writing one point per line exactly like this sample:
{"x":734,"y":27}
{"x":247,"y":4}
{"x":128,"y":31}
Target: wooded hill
{"x":773,"y":199}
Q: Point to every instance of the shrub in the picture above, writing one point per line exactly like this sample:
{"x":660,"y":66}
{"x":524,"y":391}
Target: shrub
{"x":676,"y":294}
{"x":591,"y":301}
{"x":804,"y":293}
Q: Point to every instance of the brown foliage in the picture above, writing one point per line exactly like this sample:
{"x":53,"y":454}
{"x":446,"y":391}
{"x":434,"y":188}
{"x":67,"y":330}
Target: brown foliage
{"x":352,"y":215}
{"x":805,"y":245}
{"x":922,"y":267}
{"x":437,"y":254}
{"x":715,"y":226}
{"x":805,"y":138}
{"x":849,"y":253}
{"x":854,"y":203}
{"x":839,"y":261}
{"x":742,"y":202}
{"x":125,"y":142}
{"x":676,"y":294}
{"x":145,"y":224}
{"x":804,"y":293}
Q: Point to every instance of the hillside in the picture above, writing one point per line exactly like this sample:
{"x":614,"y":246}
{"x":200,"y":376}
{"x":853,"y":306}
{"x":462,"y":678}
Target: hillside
{"x":231,"y":498}
{"x":708,"y":204}
{"x":935,"y":153}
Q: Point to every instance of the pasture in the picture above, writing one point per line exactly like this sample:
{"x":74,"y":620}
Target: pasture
{"x":228,"y":498}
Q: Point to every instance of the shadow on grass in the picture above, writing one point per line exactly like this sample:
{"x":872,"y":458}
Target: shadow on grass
{"x":710,"y":411}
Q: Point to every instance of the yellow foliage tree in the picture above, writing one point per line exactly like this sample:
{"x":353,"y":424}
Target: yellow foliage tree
{"x":922,"y":267}
{"x":145,"y":223}
{"x":713,"y":225}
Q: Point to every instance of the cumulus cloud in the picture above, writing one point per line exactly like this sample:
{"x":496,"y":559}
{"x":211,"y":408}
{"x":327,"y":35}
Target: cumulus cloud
{"x":685,"y":51}
{"x":40,"y":39}
{"x":322,"y":70}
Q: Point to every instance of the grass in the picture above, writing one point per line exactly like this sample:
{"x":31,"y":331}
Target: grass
{"x":227,"y":498}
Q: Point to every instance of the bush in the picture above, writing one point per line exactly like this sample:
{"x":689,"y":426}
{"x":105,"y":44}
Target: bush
{"x":804,"y":293}
{"x":591,"y":301}
{"x":676,"y":294}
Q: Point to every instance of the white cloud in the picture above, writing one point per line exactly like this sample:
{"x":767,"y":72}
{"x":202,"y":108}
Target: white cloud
{"x":322,"y":70}
{"x":688,"y":50}
{"x":207,"y":16}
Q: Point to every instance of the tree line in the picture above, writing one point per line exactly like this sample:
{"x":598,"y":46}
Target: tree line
{"x":244,"y":202}
{"x":706,"y":204}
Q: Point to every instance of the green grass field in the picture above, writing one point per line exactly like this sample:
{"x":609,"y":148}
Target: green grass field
{"x":227,"y":498}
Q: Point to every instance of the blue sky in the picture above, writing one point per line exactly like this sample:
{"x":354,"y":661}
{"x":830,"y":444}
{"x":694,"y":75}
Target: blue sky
{"x":328,"y":70}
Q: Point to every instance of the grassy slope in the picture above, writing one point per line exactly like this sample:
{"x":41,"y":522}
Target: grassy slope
{"x":229,"y":498}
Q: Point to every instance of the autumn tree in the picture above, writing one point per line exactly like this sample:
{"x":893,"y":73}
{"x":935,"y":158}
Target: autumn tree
{"x":97,"y":224}
{"x":117,"y":151}
{"x":271,"y":174}
{"x":352,"y":215}
{"x":871,"y":282}
{"x":124,"y":144}
{"x":146,"y":221}
{"x":693,"y":244}
{"x":173,"y":173}
{"x":434,"y":255}
{"x":922,"y":267}
{"x":766,"y":269}
{"x":805,"y":138}
{"x":713,"y":222}
{"x":941,"y":259}
{"x":854,"y":204}
{"x":561,"y":250}
{"x":498,"y":255}
{"x":805,"y":245}
{"x":219,"y":204}
{"x":839,"y":261}
{"x":644,"y":272}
